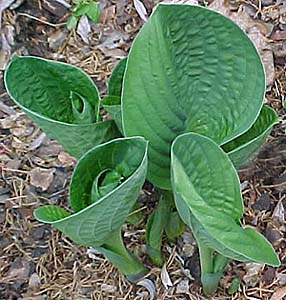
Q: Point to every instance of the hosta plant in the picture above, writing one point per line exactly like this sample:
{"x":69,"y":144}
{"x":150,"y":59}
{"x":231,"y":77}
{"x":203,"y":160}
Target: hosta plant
{"x":192,"y":87}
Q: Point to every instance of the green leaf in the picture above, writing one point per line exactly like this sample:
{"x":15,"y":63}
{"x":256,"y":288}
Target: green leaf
{"x":89,"y":8}
{"x":189,"y":69}
{"x":51,"y":213}
{"x":205,"y":180}
{"x":175,"y":226}
{"x":95,"y":219}
{"x":242,"y":149}
{"x":155,"y":229}
{"x":83,"y":112}
{"x":72,"y":22}
{"x":115,"y":81}
{"x":234,"y":286}
{"x":81,"y":8}
{"x":136,"y":215}
{"x":104,"y":183}
{"x":45,"y":90}
{"x":93,"y":11}
{"x":115,"y":251}
{"x":112,"y":104}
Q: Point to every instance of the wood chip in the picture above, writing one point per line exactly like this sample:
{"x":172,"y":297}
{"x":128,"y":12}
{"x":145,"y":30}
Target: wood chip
{"x":279,"y":294}
{"x":141,"y":9}
{"x":42,"y":178}
{"x":165,"y":277}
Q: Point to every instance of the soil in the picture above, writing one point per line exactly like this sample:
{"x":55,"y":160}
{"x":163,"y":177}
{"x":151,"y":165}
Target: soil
{"x":37,"y":262}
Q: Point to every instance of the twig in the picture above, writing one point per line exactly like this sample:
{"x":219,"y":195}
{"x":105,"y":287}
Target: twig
{"x":41,"y":21}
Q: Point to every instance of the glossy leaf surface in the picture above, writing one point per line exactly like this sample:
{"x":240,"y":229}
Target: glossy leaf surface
{"x":48,"y":91}
{"x":205,"y":181}
{"x":198,"y":72}
{"x":95,"y":218}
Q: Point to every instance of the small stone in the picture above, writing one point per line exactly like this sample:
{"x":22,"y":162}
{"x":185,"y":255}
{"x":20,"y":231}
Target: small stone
{"x":266,"y":2}
{"x":4,"y":241}
{"x":273,"y":234}
{"x":37,"y":252}
{"x":86,"y":290}
{"x":38,"y":233}
{"x":34,"y":281}
{"x":269,"y":275}
{"x":193,"y":264}
{"x":2,"y":215}
{"x":183,"y":287}
{"x":281,"y":277}
{"x":188,"y":247}
{"x":19,"y":270}
{"x":42,"y":178}
{"x":108,"y":288}
{"x":54,"y":7}
{"x":263,"y":203}
{"x":252,"y":276}
{"x":57,"y":39}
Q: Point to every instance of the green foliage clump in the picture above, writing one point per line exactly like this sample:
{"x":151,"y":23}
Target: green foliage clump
{"x":187,"y":112}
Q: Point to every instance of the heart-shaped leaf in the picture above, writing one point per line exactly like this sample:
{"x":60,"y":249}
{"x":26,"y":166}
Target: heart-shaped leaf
{"x":189,"y":69}
{"x":62,"y":100}
{"x":95,"y":218}
{"x":204,"y":180}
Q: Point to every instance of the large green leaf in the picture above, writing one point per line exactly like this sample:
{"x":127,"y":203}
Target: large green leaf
{"x":242,"y":149}
{"x":205,"y":181}
{"x":61,"y":99}
{"x":189,"y":69}
{"x":95,"y":218}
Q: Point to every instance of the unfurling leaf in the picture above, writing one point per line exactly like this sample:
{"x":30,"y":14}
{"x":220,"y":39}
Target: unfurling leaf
{"x":96,"y":216}
{"x":104,"y":188}
{"x":48,"y":92}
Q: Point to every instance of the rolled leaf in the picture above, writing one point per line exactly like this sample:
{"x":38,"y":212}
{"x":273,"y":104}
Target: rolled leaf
{"x":95,"y":218}
{"x":189,"y":69}
{"x":242,"y":149}
{"x":52,"y":94}
{"x":205,"y":181}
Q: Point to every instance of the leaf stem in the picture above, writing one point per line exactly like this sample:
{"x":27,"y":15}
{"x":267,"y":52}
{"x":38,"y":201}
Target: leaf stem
{"x":212,"y":267}
{"x":115,"y":251}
